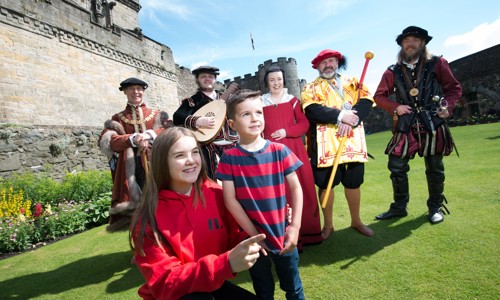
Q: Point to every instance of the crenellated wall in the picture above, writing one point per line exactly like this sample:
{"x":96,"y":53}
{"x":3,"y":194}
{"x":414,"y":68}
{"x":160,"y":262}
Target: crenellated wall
{"x":256,"y":81}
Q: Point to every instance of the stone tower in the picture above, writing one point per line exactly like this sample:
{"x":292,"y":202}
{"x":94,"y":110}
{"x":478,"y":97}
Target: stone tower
{"x":256,"y":82}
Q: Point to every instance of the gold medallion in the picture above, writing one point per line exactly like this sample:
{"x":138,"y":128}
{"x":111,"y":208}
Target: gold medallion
{"x":414,"y":92}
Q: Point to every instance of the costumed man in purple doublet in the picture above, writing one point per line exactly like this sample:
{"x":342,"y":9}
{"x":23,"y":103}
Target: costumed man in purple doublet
{"x":420,"y":92}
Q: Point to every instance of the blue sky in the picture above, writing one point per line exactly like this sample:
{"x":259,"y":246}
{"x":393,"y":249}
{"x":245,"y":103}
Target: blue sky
{"x":217,"y":32}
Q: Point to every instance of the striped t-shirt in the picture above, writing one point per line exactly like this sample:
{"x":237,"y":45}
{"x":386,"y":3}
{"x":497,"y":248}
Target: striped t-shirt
{"x":259,"y":181}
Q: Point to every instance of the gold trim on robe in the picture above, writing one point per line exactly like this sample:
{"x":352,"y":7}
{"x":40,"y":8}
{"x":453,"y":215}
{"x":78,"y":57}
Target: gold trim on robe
{"x":327,"y":139}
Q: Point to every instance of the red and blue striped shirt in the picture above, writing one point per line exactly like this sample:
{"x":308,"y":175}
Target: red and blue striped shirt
{"x":259,"y":182}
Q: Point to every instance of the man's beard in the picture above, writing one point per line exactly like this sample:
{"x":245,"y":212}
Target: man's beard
{"x":411,"y":57}
{"x":328,"y":75}
{"x":206,"y":87}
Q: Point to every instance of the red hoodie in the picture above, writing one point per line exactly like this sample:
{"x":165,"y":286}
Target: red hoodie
{"x":199,"y":239}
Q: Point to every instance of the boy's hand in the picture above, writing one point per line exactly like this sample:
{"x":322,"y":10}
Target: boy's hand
{"x":291,"y":239}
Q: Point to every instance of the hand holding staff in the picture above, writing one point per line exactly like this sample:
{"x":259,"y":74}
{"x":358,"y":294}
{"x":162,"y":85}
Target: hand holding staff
{"x":368,"y":56}
{"x":143,"y":141}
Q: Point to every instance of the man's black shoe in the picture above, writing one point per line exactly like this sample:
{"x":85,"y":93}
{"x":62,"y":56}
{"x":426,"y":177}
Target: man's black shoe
{"x":392,"y":213}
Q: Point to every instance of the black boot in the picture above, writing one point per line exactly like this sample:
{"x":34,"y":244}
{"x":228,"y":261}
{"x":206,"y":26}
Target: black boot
{"x":397,"y":208}
{"x":435,"y":203}
{"x":401,"y":198}
{"x":434,"y":171}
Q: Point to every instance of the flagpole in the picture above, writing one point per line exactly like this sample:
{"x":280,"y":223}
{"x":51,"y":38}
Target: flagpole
{"x":253,"y":52}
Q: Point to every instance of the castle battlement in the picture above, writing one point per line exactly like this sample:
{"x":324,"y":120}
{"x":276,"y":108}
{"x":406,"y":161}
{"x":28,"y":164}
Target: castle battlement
{"x":256,"y":81}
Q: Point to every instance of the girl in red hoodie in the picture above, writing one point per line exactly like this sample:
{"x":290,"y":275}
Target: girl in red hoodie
{"x":185,"y":242}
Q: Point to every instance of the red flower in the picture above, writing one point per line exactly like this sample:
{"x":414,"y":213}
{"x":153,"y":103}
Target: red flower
{"x":38,"y":210}
{"x":22,"y":210}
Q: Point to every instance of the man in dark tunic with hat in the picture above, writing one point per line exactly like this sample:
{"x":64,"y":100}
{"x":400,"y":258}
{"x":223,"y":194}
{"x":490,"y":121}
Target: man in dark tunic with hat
{"x":126,"y":140}
{"x":226,"y":138}
{"x":420,"y":92}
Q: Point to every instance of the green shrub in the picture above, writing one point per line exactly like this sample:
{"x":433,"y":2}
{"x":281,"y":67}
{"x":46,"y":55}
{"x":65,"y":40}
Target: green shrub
{"x":97,"y":210}
{"x":89,"y":195}
{"x":83,"y":186}
{"x":38,"y":188}
{"x":41,"y":188}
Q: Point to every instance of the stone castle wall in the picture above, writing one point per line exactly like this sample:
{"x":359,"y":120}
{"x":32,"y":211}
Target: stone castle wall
{"x":61,"y":65}
{"x":187,"y":85}
{"x":55,"y":149}
{"x":479,"y":77}
{"x":61,"y":69}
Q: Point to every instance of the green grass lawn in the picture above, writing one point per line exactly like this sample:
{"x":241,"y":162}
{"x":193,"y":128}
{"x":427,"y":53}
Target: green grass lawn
{"x":407,"y":259}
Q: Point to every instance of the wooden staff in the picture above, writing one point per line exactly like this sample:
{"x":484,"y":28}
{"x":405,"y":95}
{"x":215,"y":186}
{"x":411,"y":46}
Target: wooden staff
{"x":368,"y":55}
{"x":144,"y":157}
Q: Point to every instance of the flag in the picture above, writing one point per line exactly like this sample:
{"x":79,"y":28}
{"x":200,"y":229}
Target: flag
{"x":251,"y":39}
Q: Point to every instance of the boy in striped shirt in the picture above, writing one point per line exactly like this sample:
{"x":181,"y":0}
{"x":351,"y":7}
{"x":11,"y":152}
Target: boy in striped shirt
{"x":253,"y":176}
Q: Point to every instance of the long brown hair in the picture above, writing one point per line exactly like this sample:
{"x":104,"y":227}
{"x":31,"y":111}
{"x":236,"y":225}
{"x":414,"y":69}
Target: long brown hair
{"x":158,"y":179}
{"x":423,"y":54}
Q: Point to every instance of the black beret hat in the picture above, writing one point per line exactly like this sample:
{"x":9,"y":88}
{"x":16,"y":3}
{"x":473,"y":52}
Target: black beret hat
{"x":132,"y":81}
{"x":206,"y":69}
{"x":414,"y":31}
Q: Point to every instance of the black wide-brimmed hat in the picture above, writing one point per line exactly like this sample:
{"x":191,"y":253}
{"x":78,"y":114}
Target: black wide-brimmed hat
{"x":132,"y":81}
{"x":414,"y":31}
{"x":206,"y":69}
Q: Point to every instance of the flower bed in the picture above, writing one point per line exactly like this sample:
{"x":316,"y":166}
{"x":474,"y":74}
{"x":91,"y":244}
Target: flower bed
{"x":27,"y":224}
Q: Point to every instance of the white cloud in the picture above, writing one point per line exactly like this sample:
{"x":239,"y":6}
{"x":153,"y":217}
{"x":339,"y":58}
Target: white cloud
{"x":327,"y":8}
{"x":171,"y":7}
{"x":481,"y":37}
{"x":225,"y":74}
{"x":199,"y":64}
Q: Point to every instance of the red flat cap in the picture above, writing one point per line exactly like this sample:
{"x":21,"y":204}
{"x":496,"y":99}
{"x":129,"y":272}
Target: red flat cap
{"x":327,"y":53}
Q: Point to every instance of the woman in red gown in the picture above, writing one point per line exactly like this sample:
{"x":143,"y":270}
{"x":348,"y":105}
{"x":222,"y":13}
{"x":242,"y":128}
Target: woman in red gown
{"x":287,"y":124}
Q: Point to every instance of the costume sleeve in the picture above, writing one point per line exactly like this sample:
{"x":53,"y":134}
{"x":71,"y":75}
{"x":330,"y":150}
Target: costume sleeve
{"x":315,"y":111}
{"x":301,"y":125}
{"x":120,"y":142}
{"x":363,"y":108}
{"x":320,"y":114}
{"x":182,"y":113}
{"x":451,"y":87}
{"x":384,"y":90}
{"x":168,"y":278}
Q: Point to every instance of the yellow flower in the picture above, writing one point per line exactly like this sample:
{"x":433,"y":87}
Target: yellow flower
{"x":21,"y":217}
{"x":48,"y":209}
